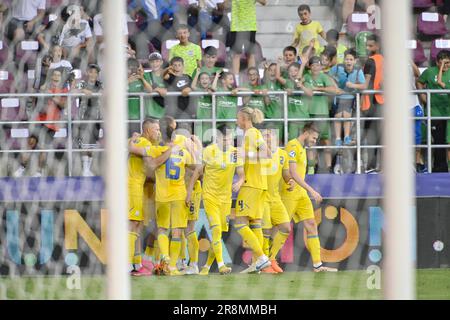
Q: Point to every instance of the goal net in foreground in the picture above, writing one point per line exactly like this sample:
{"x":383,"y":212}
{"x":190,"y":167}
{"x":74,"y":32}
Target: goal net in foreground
{"x":64,"y":229}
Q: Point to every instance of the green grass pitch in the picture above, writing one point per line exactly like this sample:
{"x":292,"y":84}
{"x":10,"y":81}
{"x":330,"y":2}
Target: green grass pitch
{"x":431,"y":284}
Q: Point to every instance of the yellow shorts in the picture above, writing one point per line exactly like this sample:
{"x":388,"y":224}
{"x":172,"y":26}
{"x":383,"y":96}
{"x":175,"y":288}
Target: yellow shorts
{"x":135,"y":203}
{"x":173,"y":214}
{"x":149,"y":203}
{"x":193,"y":211}
{"x":299,"y":210}
{"x":218,"y":213}
{"x":250,"y":203}
{"x":275,"y":213}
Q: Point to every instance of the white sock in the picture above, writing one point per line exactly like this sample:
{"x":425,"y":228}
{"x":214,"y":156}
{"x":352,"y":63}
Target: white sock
{"x":316,"y":265}
{"x":137,"y":266}
{"x":130,"y":267}
{"x":220,"y":264}
{"x":193,"y":264}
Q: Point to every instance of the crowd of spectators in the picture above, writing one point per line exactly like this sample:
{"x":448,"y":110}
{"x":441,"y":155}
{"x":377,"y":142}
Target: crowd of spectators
{"x":56,"y":47}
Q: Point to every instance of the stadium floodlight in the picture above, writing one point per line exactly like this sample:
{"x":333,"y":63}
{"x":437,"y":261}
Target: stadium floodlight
{"x":116,"y":191}
{"x":399,"y":268}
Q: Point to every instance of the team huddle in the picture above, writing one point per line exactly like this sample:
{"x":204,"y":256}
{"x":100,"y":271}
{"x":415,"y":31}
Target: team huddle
{"x":171,"y":174}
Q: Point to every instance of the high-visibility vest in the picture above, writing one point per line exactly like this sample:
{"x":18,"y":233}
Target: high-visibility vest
{"x":366,"y":100}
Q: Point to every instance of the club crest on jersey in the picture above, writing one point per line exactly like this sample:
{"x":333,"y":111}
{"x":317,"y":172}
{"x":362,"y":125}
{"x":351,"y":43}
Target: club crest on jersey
{"x":181,"y":153}
{"x":233,"y":157}
{"x":292,"y":154}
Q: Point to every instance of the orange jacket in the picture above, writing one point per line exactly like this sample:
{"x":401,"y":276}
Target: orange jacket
{"x":366,"y":100}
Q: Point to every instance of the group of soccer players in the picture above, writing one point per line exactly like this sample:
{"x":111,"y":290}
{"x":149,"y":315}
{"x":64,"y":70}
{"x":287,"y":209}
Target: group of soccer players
{"x":170,"y":174}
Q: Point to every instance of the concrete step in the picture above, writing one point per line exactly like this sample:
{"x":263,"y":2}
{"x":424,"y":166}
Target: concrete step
{"x":277,"y":40}
{"x":287,"y":26}
{"x":290,"y":13}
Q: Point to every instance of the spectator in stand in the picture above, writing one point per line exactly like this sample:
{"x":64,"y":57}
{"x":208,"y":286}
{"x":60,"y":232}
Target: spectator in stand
{"x":90,"y":109}
{"x":243,"y":31}
{"x":445,"y":9}
{"x":155,"y":106}
{"x":373,"y":105}
{"x":226,"y":105}
{"x":288,"y":58}
{"x":348,"y":7}
{"x":260,"y":99}
{"x":155,"y":18}
{"x":274,"y":110}
{"x":332,"y":38}
{"x":202,"y":82}
{"x":190,"y":53}
{"x":417,"y":111}
{"x":52,"y":110}
{"x":48,"y":35}
{"x":209,"y":63}
{"x":138,"y":81}
{"x":438,"y":77}
{"x":26,"y":17}
{"x":349,"y":78}
{"x":57,"y":61}
{"x":29,"y":163}
{"x":207,"y":15}
{"x":328,"y":58}
{"x":177,"y":80}
{"x":307,"y":30}
{"x":76,"y":35}
{"x":42,"y":71}
{"x":317,"y":80}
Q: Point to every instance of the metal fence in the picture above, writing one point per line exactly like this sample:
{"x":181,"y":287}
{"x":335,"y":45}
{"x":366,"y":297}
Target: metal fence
{"x":357,"y":119}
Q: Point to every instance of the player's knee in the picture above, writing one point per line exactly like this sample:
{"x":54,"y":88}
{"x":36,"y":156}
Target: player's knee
{"x":134,"y":226}
{"x":285,"y":227}
{"x":310,"y":226}
{"x":176,"y":233}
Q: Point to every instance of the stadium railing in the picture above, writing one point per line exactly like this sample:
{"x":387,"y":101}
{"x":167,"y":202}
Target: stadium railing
{"x":70,"y":121}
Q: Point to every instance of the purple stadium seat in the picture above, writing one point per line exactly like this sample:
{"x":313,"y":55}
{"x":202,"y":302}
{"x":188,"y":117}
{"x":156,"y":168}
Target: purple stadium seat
{"x":12,"y":109}
{"x":165,"y":47}
{"x":6,"y":82}
{"x":26,"y":52}
{"x":431,"y":24}
{"x":4,"y":52}
{"x":417,"y":51}
{"x":220,"y":46}
{"x":438,"y":45}
{"x":422,"y":4}
{"x":16,"y":138}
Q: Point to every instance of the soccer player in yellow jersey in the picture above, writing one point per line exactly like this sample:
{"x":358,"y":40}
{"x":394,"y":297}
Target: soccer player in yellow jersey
{"x":220,"y":162}
{"x":250,"y":200}
{"x":276,"y":220}
{"x":173,"y":199}
{"x":297,"y":201}
{"x":139,"y":161}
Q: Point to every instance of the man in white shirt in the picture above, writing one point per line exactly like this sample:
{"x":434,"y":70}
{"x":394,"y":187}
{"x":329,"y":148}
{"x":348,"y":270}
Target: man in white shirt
{"x":26,"y":16}
{"x":206,"y":15}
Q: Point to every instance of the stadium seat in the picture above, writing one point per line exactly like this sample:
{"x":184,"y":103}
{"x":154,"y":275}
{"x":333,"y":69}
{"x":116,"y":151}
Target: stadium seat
{"x":422,"y":4}
{"x":357,"y":22}
{"x":6,"y":82}
{"x":418,"y":52}
{"x":12,"y":109}
{"x":438,"y":45}
{"x":220,"y":46}
{"x":4,"y":52}
{"x":431,"y":24}
{"x":16,"y":138}
{"x":26,"y":52}
{"x":169,"y":43}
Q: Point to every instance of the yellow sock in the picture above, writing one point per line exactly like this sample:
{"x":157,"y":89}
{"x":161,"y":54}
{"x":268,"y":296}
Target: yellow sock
{"x":266,"y":244}
{"x":193,"y":247}
{"x":132,"y":237}
{"x":277,"y":244}
{"x":257,"y":230}
{"x":175,"y":245}
{"x":211,"y":258}
{"x":250,"y":238}
{"x":149,"y":251}
{"x":183,"y":247}
{"x":313,"y":245}
{"x":163,"y":244}
{"x":137,"y":259}
{"x":217,"y":243}
{"x":156,"y":251}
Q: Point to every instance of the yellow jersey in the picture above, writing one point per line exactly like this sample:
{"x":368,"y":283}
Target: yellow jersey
{"x":170,"y":184}
{"x":278,"y":163}
{"x":219,"y":172}
{"x":255,"y":175}
{"x":136,"y":169}
{"x":305,"y":33}
{"x":296,"y":154}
